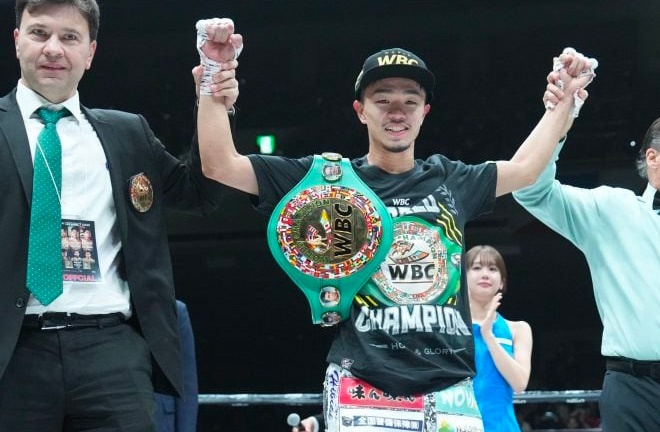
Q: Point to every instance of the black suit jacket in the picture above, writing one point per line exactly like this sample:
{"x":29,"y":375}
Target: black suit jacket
{"x":131,"y":148}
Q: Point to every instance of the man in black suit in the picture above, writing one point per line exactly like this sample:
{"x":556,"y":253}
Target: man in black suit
{"x":90,"y":356}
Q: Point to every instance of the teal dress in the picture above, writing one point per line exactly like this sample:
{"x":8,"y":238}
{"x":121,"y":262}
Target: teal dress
{"x":494,"y":394}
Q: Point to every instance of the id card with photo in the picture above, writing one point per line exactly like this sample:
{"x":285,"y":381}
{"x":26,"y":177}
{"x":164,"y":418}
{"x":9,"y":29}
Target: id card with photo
{"x":80,"y":262}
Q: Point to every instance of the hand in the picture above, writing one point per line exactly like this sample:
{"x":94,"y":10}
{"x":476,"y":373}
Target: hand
{"x":491,"y":313}
{"x":553,"y":93}
{"x":309,"y":423}
{"x":224,"y":85}
{"x":217,"y":45}
{"x":571,"y":73}
{"x":575,"y":63}
{"x":218,"y":42}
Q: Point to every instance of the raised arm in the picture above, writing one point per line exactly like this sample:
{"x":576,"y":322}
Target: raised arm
{"x":535,"y":152}
{"x":219,"y":47}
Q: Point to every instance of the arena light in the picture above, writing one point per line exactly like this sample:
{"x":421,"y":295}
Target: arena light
{"x":266,"y":144}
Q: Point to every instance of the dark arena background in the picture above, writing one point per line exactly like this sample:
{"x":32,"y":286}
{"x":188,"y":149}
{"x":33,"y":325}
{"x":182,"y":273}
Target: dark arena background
{"x":252,"y":325}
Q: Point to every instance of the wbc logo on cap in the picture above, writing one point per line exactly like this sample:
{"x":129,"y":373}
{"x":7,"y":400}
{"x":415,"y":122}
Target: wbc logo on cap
{"x":396,"y":59}
{"x":395,"y":62}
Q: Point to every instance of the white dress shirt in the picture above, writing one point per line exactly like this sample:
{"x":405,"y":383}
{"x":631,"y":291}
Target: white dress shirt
{"x":87,"y":196}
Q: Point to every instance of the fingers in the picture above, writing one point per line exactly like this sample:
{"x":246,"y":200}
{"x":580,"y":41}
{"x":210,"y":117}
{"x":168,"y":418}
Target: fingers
{"x":224,"y":80}
{"x":495,"y":302}
{"x":583,"y":94}
{"x":582,"y":80}
{"x":309,"y":424}
{"x":575,"y":63}
{"x":572,"y":72}
{"x":552,"y":94}
{"x":197,"y":72}
{"x":574,"y":83}
{"x":224,"y":84}
{"x":236,"y":41}
{"x":225,"y":87}
{"x":219,"y":29}
{"x":229,"y":65}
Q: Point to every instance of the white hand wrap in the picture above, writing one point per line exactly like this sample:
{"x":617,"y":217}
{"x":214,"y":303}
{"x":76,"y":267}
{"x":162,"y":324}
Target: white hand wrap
{"x":211,"y":67}
{"x":577,"y":100}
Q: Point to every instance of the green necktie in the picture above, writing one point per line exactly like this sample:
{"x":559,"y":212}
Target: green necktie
{"x":44,"y":278}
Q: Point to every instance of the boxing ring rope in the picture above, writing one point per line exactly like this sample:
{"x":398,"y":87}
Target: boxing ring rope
{"x":297,"y":399}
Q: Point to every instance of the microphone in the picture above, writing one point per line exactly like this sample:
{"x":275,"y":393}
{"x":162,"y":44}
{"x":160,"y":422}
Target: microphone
{"x":293,"y":420}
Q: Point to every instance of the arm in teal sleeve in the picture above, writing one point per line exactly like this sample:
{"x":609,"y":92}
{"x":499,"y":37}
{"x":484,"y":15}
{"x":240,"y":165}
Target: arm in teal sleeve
{"x":565,"y":209}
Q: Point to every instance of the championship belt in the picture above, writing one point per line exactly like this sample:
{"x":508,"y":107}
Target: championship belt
{"x":423,"y":265}
{"x":329,"y":234}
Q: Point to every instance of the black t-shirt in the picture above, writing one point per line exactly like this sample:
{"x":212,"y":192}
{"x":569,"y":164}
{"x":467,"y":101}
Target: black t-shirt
{"x":403,"y":337}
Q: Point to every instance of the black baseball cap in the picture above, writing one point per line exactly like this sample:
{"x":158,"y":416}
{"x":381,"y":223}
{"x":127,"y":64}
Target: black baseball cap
{"x":395,"y":62}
